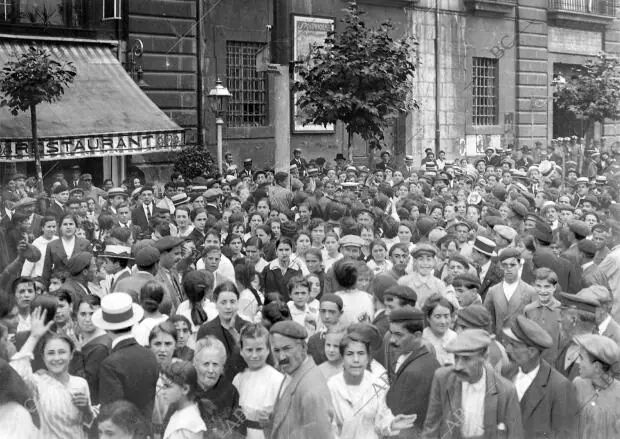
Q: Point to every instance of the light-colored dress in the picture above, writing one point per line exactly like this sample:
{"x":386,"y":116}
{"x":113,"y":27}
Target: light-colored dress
{"x":186,"y":424}
{"x":258,"y":390}
{"x":444,"y":357}
{"x":60,"y":419}
{"x":16,"y":422}
{"x":360,"y":412}
{"x":599,"y":415}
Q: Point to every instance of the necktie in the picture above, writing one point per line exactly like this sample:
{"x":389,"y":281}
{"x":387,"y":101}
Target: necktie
{"x":148,"y":212}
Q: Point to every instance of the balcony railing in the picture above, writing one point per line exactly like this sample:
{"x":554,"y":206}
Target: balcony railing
{"x":594,"y":7}
{"x":493,"y":7}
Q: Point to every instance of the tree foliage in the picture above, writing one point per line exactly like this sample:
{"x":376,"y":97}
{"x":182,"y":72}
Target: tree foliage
{"x":361,"y":76}
{"x":594,"y":95}
{"x":35,"y":77}
{"x":194,"y":161}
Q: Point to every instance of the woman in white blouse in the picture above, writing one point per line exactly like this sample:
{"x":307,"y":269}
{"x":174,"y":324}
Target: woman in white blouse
{"x":359,"y":397}
{"x":438,"y":311}
{"x":63,"y":400}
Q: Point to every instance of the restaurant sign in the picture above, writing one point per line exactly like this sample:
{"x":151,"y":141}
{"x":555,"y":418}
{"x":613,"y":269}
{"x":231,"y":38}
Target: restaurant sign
{"x":92,"y":146}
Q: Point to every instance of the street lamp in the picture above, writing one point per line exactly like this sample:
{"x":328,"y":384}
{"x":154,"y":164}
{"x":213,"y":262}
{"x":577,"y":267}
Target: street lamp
{"x":135,"y":65}
{"x":218,"y":99}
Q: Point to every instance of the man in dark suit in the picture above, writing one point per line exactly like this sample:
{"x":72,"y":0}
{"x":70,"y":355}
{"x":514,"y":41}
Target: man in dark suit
{"x":212,"y":207}
{"x":82,"y":269}
{"x":300,"y":162}
{"x":27,"y":206}
{"x":590,"y":273}
{"x":131,"y":371}
{"x":605,"y":324}
{"x":490,"y":272}
{"x":248,"y":171}
{"x":143,"y":212}
{"x":470,"y":399}
{"x":60,"y":195}
{"x":547,"y":399}
{"x":407,"y":169}
{"x":385,"y":161}
{"x":413,"y":371}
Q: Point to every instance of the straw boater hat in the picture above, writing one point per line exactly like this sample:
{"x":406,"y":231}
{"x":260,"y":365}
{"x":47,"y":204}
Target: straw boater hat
{"x":117,"y":252}
{"x":117,"y":312}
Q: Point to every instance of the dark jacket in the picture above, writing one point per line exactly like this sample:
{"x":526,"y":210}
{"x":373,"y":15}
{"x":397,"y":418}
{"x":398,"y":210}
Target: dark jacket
{"x":138,"y":218}
{"x":87,"y":361}
{"x":56,"y":258}
{"x":501,"y":406}
{"x":494,"y":275}
{"x":219,"y":404}
{"x":549,"y":406}
{"x":130,"y":372}
{"x":414,"y":377}
{"x":235,"y":362}
{"x":273,"y":281}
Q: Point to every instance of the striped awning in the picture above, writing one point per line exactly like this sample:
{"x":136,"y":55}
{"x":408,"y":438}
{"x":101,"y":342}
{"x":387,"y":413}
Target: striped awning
{"x":102,"y":113}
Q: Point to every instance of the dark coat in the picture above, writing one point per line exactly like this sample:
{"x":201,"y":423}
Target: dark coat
{"x":56,"y":211}
{"x":316,"y":348}
{"x":56,"y":258}
{"x":549,"y":406}
{"x":213,"y":210}
{"x":138,"y":218}
{"x":219,"y":403}
{"x":235,"y":362}
{"x":414,"y":377}
{"x":572,"y":371}
{"x":130,"y":372}
{"x":501,"y":406}
{"x":593,"y":275}
{"x":494,"y":275}
{"x":569,"y":275}
{"x":273,"y":281}
{"x":87,"y":361}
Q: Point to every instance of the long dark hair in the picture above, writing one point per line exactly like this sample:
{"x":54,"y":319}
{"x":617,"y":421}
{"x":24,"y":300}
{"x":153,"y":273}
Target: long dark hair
{"x":196,"y":285}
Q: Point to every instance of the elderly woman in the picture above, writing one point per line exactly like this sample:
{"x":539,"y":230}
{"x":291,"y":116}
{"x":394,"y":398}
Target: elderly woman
{"x":598,"y":391}
{"x":218,"y":399}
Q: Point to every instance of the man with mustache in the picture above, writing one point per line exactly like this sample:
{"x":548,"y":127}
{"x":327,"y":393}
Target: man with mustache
{"x":303,"y":409}
{"x":470,"y":399}
{"x":411,"y":384}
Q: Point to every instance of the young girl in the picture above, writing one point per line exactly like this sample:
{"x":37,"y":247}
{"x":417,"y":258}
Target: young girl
{"x":258,"y":385}
{"x":330,"y":252}
{"x":333,"y":365}
{"x":299,"y":291}
{"x":378,"y":263}
{"x":180,"y":383}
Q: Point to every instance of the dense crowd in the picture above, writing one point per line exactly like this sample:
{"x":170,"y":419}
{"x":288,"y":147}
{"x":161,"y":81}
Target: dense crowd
{"x":474,"y":299}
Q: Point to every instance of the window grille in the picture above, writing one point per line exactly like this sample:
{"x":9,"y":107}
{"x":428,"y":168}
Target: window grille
{"x":247,"y":106}
{"x":485,"y":91}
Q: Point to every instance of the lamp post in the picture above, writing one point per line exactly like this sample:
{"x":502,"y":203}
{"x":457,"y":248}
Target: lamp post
{"x":218,"y":99}
{"x":134,"y":63}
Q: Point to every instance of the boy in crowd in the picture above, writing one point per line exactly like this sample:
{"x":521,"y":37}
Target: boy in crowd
{"x":330,"y":312}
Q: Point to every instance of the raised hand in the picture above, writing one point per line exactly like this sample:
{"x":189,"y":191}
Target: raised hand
{"x":38,"y":328}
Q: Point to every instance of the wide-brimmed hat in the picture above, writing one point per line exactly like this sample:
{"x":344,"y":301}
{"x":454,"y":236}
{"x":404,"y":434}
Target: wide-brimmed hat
{"x":117,"y":312}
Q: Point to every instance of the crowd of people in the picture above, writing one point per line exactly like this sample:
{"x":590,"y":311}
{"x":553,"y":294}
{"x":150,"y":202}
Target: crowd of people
{"x":474,"y":299}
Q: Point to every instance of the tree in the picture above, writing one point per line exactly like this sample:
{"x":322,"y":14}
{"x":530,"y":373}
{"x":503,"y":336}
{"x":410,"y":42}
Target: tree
{"x":35,"y":77}
{"x":193,"y":161}
{"x":361,"y":76}
{"x":594,"y":95}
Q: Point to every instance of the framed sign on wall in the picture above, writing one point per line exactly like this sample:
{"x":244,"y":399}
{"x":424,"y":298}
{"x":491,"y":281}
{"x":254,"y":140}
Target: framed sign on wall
{"x":308,"y":31}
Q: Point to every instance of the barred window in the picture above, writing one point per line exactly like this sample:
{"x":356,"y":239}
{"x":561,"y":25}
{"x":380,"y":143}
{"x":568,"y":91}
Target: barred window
{"x":485,"y":91}
{"x":247,"y":106}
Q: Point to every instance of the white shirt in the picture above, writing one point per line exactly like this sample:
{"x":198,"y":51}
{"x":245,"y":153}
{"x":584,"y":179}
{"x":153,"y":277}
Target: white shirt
{"x":148,"y":210}
{"x":121,"y":338}
{"x":483,"y":270}
{"x":586,"y":265}
{"x":472,"y":407}
{"x":604,"y":324}
{"x":69,"y":246}
{"x":399,"y":362}
{"x":34,"y":269}
{"x":523,"y":381}
{"x":509,"y":289}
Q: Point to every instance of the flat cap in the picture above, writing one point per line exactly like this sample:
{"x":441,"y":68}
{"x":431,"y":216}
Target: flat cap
{"x":212,"y":194}
{"x":587,"y":246}
{"x":422,"y":250}
{"x":60,"y":188}
{"x":117,"y":191}
{"x":579,"y":228}
{"x":351,"y":241}
{"x":406,"y":315}
{"x":463,"y":223}
{"x":79,"y":262}
{"x":380,"y":285}
{"x":474,"y":316}
{"x":289,"y":328}
{"x":506,"y":232}
{"x":509,"y":252}
{"x":596,"y":293}
{"x":24,"y":202}
{"x":247,"y":161}
{"x":499,"y":191}
{"x":529,"y":333}
{"x":147,"y":256}
{"x":86,"y":177}
{"x":469,"y":342}
{"x":288,"y":229}
{"x":402,"y":291}
{"x":466,"y":278}
{"x":167,"y":243}
{"x":334,"y":298}
{"x":579,"y":303}
{"x":519,"y":209}
{"x":562,"y":207}
{"x":600,"y":347}
{"x":493,"y":221}
{"x":425,"y":225}
{"x":145,"y":188}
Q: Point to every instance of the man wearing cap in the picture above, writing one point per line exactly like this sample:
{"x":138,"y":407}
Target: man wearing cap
{"x":478,"y":317}
{"x":330,"y":312}
{"x":131,"y":371}
{"x":115,"y":259}
{"x":504,"y":236}
{"x":470,"y":399}
{"x":408,"y":168}
{"x":27,"y":206}
{"x":171,"y":252}
{"x":303,"y":408}
{"x":75,"y":175}
{"x":147,"y":263}
{"x":577,"y":231}
{"x":82,"y":269}
{"x":91,"y":191}
{"x":610,"y":266}
{"x":248,"y":170}
{"x":385,"y":161}
{"x":299,"y":161}
{"x":116,"y":197}
{"x":166,"y":203}
{"x":143,"y":212}
{"x":577,"y":317}
{"x":466,"y":287}
{"x":547,"y":399}
{"x":489,"y":270}
{"x":414,"y":368}
{"x":591,"y":274}
{"x":605,"y":324}
{"x":422,"y":280}
{"x":506,"y":300}
{"x":60,"y":196}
